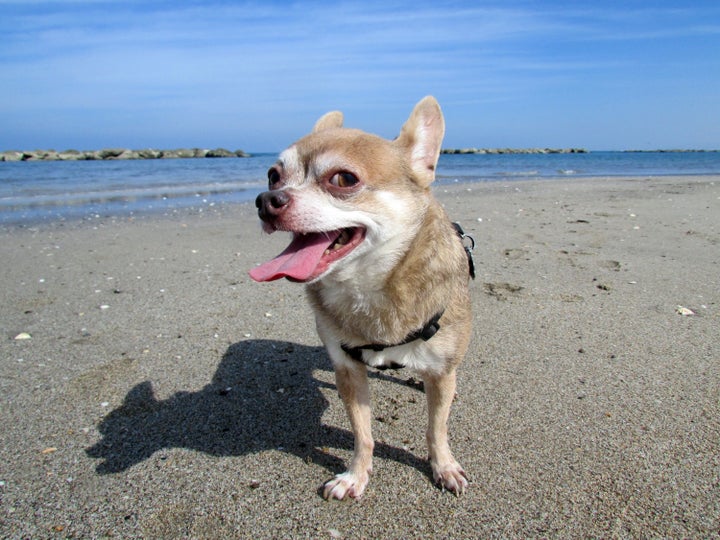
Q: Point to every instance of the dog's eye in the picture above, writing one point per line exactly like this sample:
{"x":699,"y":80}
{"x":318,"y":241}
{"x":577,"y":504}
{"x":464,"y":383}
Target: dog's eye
{"x":273,"y":177}
{"x":344,"y":180}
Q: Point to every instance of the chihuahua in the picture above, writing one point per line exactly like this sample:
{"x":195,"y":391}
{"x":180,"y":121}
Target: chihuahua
{"x":386,"y":272}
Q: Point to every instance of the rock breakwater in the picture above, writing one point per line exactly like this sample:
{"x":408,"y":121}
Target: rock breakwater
{"x":118,"y":153}
{"x":514,"y":151}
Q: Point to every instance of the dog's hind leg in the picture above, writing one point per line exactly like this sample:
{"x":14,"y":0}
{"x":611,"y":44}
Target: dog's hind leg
{"x":352,"y":384}
{"x":440,"y":392}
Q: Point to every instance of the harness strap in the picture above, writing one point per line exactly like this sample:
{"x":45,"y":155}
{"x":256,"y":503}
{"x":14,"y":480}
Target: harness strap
{"x":426,"y":332}
{"x":468,"y":248}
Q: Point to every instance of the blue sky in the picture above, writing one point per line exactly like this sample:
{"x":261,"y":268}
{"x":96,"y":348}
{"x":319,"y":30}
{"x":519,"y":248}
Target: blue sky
{"x":88,"y":74}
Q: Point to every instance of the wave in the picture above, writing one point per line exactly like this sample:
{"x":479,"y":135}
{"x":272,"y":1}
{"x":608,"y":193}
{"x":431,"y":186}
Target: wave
{"x":128,"y":195}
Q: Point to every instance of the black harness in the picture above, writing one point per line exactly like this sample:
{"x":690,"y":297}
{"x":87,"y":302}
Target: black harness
{"x":426,"y":332}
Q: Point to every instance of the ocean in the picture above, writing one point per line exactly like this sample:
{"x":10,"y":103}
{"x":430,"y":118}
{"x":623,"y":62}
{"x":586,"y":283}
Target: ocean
{"x":44,"y":191}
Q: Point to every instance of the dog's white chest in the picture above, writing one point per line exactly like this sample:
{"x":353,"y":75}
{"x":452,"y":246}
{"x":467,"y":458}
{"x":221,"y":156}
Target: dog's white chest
{"x":416,"y":355}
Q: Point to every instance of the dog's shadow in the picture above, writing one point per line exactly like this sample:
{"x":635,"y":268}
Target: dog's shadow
{"x":262,"y":396}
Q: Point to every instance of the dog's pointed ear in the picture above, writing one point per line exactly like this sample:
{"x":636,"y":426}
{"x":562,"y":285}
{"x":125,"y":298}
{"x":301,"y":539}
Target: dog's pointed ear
{"x":329,"y":120}
{"x":422,"y":136}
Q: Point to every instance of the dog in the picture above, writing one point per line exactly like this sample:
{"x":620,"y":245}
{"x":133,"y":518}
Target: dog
{"x":386,"y":272}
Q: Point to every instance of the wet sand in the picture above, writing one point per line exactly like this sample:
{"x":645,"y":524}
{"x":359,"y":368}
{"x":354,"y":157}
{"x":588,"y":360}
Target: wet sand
{"x":160,"y":393}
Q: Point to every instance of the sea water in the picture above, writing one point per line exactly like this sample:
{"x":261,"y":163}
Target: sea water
{"x":60,"y":190}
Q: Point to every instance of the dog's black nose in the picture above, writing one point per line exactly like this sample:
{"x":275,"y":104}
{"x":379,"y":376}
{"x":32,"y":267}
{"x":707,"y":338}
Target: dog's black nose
{"x":271,"y":203}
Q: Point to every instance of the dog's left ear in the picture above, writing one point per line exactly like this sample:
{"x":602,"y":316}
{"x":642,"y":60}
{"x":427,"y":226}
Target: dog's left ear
{"x":329,"y":120}
{"x":422,"y":136}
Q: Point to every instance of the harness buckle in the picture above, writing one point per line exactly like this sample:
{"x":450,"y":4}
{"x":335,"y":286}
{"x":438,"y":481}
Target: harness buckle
{"x":468,"y":247}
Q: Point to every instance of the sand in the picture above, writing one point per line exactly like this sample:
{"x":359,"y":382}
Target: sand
{"x":161,"y":393}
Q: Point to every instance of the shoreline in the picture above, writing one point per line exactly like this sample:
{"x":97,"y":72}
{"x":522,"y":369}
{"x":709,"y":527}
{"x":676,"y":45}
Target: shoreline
{"x":162,"y":393}
{"x":158,"y":209}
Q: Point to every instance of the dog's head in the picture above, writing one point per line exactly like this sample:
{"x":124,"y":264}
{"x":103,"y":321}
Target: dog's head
{"x":347,"y":195}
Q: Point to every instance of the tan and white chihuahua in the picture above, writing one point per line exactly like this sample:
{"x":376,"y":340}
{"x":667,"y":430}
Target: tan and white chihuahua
{"x":386,"y":272}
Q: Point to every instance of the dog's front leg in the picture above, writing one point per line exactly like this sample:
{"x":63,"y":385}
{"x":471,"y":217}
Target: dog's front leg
{"x":352,"y":384}
{"x":440,"y":392}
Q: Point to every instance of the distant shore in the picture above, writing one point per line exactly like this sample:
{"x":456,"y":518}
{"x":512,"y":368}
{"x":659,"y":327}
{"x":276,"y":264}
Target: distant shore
{"x":107,"y":154}
{"x":514,"y":151}
{"x":119,"y":153}
{"x":493,"y":151}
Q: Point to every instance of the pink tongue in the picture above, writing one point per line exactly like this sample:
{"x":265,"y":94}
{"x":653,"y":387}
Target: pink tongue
{"x":298,"y":261}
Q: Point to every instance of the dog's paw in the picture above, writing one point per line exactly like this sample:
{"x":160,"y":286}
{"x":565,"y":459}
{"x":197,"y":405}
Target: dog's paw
{"x":451,"y":477}
{"x":347,"y":484}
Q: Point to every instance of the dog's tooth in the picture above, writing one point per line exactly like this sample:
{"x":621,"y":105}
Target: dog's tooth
{"x":341,"y":240}
{"x":344,"y":237}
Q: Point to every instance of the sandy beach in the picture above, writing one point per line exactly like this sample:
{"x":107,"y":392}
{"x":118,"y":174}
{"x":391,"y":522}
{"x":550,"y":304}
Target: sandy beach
{"x":160,"y":393}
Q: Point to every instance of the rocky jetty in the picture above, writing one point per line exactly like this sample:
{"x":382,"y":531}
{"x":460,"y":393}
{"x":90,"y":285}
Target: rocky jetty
{"x":675,"y":151}
{"x":514,"y":151}
{"x":118,"y":153}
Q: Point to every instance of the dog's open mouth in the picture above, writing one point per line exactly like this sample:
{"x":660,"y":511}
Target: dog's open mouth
{"x":309,"y":255}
